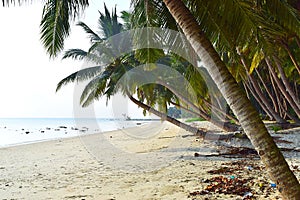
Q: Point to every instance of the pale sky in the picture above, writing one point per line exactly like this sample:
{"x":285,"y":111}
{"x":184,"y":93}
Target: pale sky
{"x":29,"y":78}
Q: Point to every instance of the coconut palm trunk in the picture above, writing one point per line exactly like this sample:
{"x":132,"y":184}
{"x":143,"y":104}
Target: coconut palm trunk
{"x":196,"y":131}
{"x":258,"y":99}
{"x":282,"y":88}
{"x":261,"y":99}
{"x":202,"y":114}
{"x":267,"y":90}
{"x":293,"y":59}
{"x":248,"y":117}
{"x":286,"y":82}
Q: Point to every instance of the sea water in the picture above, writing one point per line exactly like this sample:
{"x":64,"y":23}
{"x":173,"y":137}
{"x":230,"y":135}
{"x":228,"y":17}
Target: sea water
{"x":16,"y":131}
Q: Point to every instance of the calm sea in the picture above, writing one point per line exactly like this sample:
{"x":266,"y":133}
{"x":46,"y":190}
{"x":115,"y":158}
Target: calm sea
{"x":15,"y":131}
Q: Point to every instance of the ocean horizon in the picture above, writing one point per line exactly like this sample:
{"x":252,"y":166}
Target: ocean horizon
{"x":18,"y":131}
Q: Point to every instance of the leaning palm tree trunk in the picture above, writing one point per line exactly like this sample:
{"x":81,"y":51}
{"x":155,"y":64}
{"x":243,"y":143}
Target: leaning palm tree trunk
{"x":202,"y":114}
{"x":268,"y":91}
{"x":258,"y":100}
{"x":209,"y":105}
{"x":264,"y":100}
{"x":282,"y":88}
{"x":196,"y":131}
{"x":228,"y":124}
{"x":165,"y":116}
{"x":286,"y":81}
{"x":261,"y":99}
{"x":293,"y":59}
{"x":248,"y":117}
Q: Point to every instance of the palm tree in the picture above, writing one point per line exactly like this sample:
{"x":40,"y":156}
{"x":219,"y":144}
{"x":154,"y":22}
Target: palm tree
{"x":225,"y":32}
{"x":248,"y":117}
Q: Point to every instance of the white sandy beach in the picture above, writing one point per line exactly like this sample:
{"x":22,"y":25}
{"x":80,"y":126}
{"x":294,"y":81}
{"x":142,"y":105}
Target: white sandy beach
{"x":158,"y":164}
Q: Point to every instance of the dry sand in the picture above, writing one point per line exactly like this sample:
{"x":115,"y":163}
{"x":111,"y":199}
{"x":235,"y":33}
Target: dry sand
{"x":159,"y":164}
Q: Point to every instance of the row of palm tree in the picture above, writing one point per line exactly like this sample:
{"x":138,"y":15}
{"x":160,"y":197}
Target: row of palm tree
{"x":219,"y":38}
{"x":235,"y":97}
{"x":103,"y":79}
{"x":245,"y":50}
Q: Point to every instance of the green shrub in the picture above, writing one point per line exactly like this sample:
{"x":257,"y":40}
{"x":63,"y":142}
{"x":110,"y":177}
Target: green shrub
{"x":275,"y":128}
{"x":194,"y":119}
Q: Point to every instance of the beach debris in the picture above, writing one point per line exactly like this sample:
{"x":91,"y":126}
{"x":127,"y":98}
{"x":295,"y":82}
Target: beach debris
{"x":234,"y":152}
{"x":242,"y":152}
{"x":296,"y":168}
{"x":196,"y":154}
{"x":232,"y":177}
{"x":247,"y":194}
{"x":249,"y":168}
{"x":222,"y":170}
{"x":82,"y":197}
{"x":282,"y":141}
{"x":273,"y":185}
{"x":27,"y":132}
{"x":224,"y":185}
{"x":290,"y":149}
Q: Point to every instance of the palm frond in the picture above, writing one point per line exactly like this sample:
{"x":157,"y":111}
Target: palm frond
{"x":75,"y":54}
{"x":76,"y":7}
{"x":284,"y":14}
{"x":94,"y":37}
{"x":55,"y":26}
{"x":81,"y":75}
{"x":13,"y":2}
{"x":152,"y":13}
{"x":90,"y":99}
{"x":97,"y":83}
{"x":108,"y":23}
{"x":126,"y":16}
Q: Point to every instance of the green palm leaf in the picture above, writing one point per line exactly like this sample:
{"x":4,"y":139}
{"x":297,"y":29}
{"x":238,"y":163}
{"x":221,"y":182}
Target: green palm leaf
{"x":75,"y":54}
{"x":55,"y":26}
{"x":80,"y":75}
{"x":285,"y":15}
{"x":108,"y":23}
{"x":91,"y":34}
{"x":97,"y":83}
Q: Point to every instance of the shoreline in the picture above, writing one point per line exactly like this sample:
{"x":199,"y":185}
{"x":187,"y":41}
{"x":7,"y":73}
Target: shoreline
{"x":129,"y":166}
{"x":48,"y":133}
